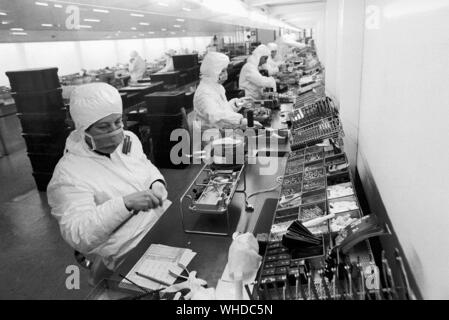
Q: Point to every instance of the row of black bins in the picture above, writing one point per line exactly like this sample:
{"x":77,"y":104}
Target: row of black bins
{"x":166,"y":112}
{"x":42,"y":114}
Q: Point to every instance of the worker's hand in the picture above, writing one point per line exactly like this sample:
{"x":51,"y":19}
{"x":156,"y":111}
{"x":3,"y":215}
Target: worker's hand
{"x":159,"y":190}
{"x":142,"y":201}
{"x":258,"y":125}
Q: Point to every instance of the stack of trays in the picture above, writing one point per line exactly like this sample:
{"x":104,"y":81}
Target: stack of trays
{"x":42,"y":113}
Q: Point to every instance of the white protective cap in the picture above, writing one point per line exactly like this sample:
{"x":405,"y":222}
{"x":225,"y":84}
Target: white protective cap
{"x":212,"y":65}
{"x":92,"y":102}
{"x":133,"y":54}
{"x":258,"y":53}
{"x":272,"y":46}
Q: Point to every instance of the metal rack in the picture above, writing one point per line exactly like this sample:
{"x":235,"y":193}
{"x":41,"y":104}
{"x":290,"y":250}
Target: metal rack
{"x":206,"y":195}
{"x":317,"y":131}
{"x":322,"y":108}
{"x":309,"y":97}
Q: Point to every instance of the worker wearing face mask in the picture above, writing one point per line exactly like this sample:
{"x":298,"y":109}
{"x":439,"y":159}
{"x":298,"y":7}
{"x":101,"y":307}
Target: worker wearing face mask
{"x":250,"y":78}
{"x":272,"y":66}
{"x":285,"y":45}
{"x":105,"y":193}
{"x":169,"y":66}
{"x":212,"y":109}
{"x":137,"y":67}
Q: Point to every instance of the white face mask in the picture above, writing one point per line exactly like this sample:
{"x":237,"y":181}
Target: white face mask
{"x":107,"y":140}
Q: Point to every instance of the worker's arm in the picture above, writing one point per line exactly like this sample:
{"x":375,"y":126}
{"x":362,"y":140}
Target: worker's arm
{"x":83,"y":224}
{"x":207,"y":106}
{"x":259,"y":80}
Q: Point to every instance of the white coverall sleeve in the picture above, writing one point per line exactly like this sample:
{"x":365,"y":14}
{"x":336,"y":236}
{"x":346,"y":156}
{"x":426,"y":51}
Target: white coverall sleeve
{"x":154,"y":172}
{"x":169,"y":66}
{"x":253,"y":75}
{"x":206,"y":105}
{"x":84,"y":225}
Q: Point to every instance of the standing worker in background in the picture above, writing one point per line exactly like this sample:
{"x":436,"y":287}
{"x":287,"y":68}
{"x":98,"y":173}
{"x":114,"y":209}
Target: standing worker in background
{"x":272,"y":66}
{"x":169,"y":66}
{"x":212,"y":109}
{"x":137,"y":67}
{"x":105,"y":193}
{"x":250,"y":78}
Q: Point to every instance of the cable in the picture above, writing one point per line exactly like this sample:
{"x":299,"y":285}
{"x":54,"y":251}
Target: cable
{"x":267,"y":190}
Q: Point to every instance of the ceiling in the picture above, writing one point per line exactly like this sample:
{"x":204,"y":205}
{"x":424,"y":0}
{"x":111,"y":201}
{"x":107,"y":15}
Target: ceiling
{"x":51,"y":20}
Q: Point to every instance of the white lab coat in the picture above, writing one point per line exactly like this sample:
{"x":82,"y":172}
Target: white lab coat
{"x":86,"y":196}
{"x":137,"y":69}
{"x":271,"y":66}
{"x":212,"y":109}
{"x":252,"y":81}
{"x":169,"y":66}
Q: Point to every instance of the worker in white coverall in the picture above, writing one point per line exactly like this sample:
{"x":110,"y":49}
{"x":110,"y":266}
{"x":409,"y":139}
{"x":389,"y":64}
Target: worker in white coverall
{"x":285,"y":45}
{"x":137,"y":67}
{"x":105,"y":193}
{"x":250,"y":78}
{"x":272,"y":66}
{"x":169,"y":65}
{"x":212,"y":109}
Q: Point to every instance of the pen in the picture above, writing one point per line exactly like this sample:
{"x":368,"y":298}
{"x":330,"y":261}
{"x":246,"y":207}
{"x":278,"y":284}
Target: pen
{"x":153,"y":279}
{"x":143,"y":289}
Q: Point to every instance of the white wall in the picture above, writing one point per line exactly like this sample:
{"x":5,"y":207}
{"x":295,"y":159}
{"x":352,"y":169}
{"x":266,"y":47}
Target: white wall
{"x":404,"y":130}
{"x":71,"y":56}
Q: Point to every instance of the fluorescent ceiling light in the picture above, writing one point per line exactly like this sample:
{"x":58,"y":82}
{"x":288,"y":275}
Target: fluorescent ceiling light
{"x":100,"y":10}
{"x":19,"y":33}
{"x":136,"y":15}
{"x":133,"y":28}
{"x":187,"y":9}
{"x":16,"y":29}
{"x":44,"y":4}
{"x":141,"y":34}
{"x":163,"y":4}
{"x":163,"y":29}
{"x":172,"y":32}
{"x":85,"y":26}
{"x":58,"y":6}
{"x":144,"y":23}
{"x":150,"y":32}
{"x":180,"y":20}
{"x":92,"y":20}
{"x":176,"y":26}
{"x":5,"y":22}
{"x":3,"y":14}
{"x":47,"y":25}
{"x":183,"y":31}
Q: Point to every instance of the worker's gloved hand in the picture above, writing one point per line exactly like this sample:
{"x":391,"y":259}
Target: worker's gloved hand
{"x":196,"y":287}
{"x":243,"y":257}
{"x":142,"y":201}
{"x":159,"y":190}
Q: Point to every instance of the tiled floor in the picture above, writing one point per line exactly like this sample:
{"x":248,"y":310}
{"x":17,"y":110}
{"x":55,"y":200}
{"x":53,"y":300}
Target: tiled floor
{"x":33,"y":256}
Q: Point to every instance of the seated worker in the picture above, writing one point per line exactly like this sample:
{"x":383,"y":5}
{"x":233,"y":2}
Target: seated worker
{"x":311,"y":60}
{"x":250,"y":78}
{"x":106,"y":197}
{"x":169,"y":66}
{"x":285,"y":45}
{"x":137,"y":67}
{"x":272,"y":66}
{"x":212,"y":109}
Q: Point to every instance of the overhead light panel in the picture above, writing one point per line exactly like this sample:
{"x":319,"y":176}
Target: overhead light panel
{"x":85,"y":26}
{"x":44,"y":4}
{"x":100,"y":10}
{"x":16,"y":29}
{"x":172,"y":32}
{"x":187,"y":9}
{"x":162,"y":4}
{"x":47,"y":25}
{"x":92,"y":20}
{"x":5,"y":22}
{"x":136,"y":15}
{"x":144,"y":23}
{"x":163,"y":29}
{"x":150,"y":32}
{"x":58,"y":6}
{"x":141,"y":34}
{"x":180,"y":20}
{"x":19,"y":33}
{"x":176,"y":26}
{"x":3,"y":14}
{"x":133,"y":28}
